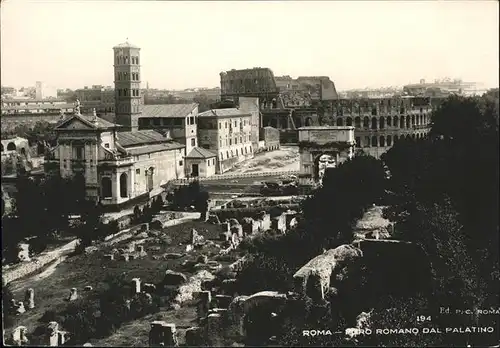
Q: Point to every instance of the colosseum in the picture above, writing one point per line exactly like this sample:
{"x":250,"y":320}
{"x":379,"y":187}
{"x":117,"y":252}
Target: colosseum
{"x":381,"y":122}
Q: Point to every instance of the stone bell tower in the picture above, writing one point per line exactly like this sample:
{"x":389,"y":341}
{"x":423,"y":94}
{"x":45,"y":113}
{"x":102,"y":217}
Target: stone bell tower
{"x":128,"y":98}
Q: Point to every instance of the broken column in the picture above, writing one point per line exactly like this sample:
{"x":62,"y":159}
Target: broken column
{"x":62,"y":336}
{"x":73,"y":294}
{"x":19,"y":336}
{"x":29,"y":298}
{"x":214,"y":330}
{"x":136,"y":286}
{"x":203,"y":305}
{"x":52,"y":330}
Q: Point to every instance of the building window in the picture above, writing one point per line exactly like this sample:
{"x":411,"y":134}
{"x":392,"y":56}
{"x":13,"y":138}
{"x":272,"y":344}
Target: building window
{"x":230,"y":141}
{"x":137,"y":60}
{"x":137,"y":171}
{"x":193,"y":142}
{"x":208,"y":163}
{"x":225,"y":124}
{"x":221,"y":156}
{"x":106,"y":145}
{"x":220,"y":125}
{"x":180,"y":163}
{"x":220,"y":143}
{"x":227,"y":154}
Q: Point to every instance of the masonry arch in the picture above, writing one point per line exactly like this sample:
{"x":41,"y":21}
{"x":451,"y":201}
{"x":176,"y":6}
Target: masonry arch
{"x":309,"y":122}
{"x":348,"y":122}
{"x":298,"y":122}
{"x":366,"y":123}
{"x":396,"y":138}
{"x":395,"y":121}
{"x":23,"y":151}
{"x":389,"y":140}
{"x":413,"y":136}
{"x":357,"y":122}
{"x":11,"y":146}
{"x":367,"y":142}
{"x":124,"y":185}
{"x":323,"y":162}
{"x":413,"y":120}
{"x":382,"y":141}
{"x":389,"y":121}
{"x":106,"y":191}
{"x":402,"y":122}
{"x":150,"y":178}
{"x":374,"y":141}
{"x":381,"y":123}
{"x":408,"y":124}
{"x":2,"y":147}
{"x":340,"y":122}
{"x":408,"y":136}
{"x":374,"y":123}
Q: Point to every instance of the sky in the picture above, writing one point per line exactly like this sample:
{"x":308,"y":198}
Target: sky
{"x":68,"y":44}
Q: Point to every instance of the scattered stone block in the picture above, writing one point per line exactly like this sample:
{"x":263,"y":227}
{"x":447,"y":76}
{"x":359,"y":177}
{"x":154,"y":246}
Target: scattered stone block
{"x":189,"y":247}
{"x":88,"y":288}
{"x":19,"y":337}
{"x":142,"y":235}
{"x":148,"y":298}
{"x":20,"y":308}
{"x":87,"y":344}
{"x":149,"y":288}
{"x":225,"y":236}
{"x":174,"y":278}
{"x":140,"y":249}
{"x":124,"y":257}
{"x":154,"y":248}
{"x":110,"y":257}
{"x":91,"y":249}
{"x":202,"y":259}
{"x":29,"y":298}
{"x":223,"y":301}
{"x":172,"y":256}
{"x":73,"y":294}
{"x":163,"y":334}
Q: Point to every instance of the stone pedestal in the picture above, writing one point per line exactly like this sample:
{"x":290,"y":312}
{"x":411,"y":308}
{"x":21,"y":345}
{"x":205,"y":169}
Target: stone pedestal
{"x":29,"y":298}
{"x":136,"y":286}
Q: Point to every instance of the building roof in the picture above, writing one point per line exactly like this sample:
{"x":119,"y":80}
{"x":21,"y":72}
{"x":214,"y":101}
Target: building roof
{"x":168,"y":110}
{"x":224,"y":113}
{"x":39,"y":106}
{"x":141,"y":137}
{"x":199,"y":152}
{"x":170,"y":145}
{"x":126,"y":44}
{"x":89,"y":121}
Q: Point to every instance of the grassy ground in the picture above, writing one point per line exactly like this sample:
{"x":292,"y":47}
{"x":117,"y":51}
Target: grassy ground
{"x":82,"y":270}
{"x":286,"y":158}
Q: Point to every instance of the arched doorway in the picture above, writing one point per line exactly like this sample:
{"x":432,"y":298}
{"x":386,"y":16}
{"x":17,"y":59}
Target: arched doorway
{"x":340,"y":122}
{"x":11,"y":146}
{"x":308,"y":122}
{"x":124,"y":185}
{"x":106,"y":187}
{"x":348,"y":122}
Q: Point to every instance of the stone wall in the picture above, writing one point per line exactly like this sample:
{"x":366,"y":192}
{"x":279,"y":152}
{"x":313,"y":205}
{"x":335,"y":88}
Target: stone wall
{"x":23,"y":269}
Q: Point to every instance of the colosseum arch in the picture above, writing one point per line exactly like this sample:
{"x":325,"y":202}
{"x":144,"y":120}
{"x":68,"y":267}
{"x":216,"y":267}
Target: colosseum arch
{"x":2,"y":147}
{"x":389,"y":140}
{"x":11,"y":146}
{"x":348,"y":122}
{"x":374,"y":141}
{"x":402,"y":122}
{"x":408,"y":125}
{"x":382,"y":141}
{"x":340,"y":122}
{"x":389,"y":121}
{"x":357,"y":122}
{"x":367,"y":141}
{"x":413,"y":120}
{"x":366,"y":122}
{"x":395,"y":121}
{"x":408,"y":136}
{"x":395,"y":139}
{"x":298,"y":122}
{"x":382,"y":122}
{"x":374,"y":123}
{"x":413,"y":136}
